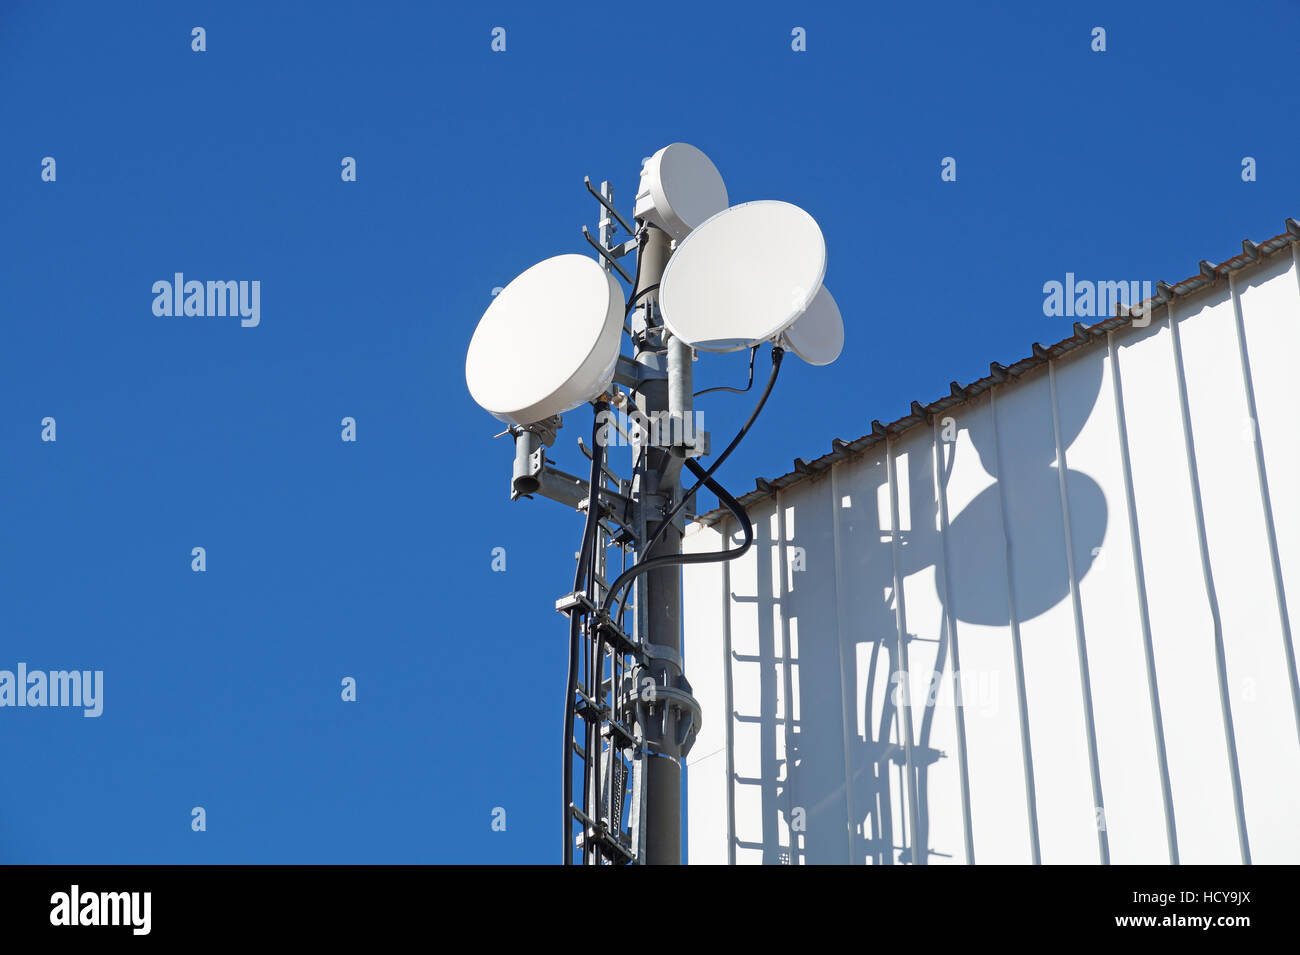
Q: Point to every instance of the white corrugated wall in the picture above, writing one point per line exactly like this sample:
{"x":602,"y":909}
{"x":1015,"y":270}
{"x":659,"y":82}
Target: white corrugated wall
{"x":1050,"y":627}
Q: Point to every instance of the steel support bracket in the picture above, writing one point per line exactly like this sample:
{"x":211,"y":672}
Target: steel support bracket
{"x":653,"y":715}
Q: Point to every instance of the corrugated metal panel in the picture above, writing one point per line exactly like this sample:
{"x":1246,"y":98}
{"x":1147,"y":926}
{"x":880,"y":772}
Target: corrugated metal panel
{"x":1042,"y":621}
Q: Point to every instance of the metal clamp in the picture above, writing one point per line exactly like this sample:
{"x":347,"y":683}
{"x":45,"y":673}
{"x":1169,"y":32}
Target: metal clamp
{"x":657,"y":651}
{"x":653,"y":715}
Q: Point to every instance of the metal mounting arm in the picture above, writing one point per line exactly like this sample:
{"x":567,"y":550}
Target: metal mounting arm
{"x":604,"y":254}
{"x":608,"y":206}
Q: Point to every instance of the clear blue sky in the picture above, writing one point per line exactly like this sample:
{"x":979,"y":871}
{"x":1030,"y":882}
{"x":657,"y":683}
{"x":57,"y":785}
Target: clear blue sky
{"x":373,"y":559}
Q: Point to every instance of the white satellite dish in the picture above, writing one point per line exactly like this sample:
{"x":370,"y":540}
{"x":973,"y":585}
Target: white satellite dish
{"x":817,"y":336}
{"x":680,"y":188}
{"x":548,"y":342}
{"x":743,"y":276}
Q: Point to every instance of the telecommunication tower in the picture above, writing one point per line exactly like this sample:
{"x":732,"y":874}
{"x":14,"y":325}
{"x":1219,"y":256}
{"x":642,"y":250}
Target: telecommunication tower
{"x":708,"y":277}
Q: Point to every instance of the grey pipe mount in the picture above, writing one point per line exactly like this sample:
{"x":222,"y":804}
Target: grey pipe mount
{"x":531,"y":441}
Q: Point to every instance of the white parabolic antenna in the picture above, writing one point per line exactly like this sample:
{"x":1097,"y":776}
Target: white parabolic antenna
{"x":680,"y":188}
{"x":548,"y":342}
{"x":743,"y":276}
{"x":817,"y":336}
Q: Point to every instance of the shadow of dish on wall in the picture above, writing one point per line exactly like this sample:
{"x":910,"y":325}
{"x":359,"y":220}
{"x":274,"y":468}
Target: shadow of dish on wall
{"x":1017,"y":450}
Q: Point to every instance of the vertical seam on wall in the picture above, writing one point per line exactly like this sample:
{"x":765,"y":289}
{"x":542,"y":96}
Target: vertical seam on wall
{"x":950,"y":625}
{"x":1220,"y":659}
{"x":1140,"y":584}
{"x":728,"y":698}
{"x":1080,"y":638}
{"x":1295,"y":257}
{"x":1022,"y":701}
{"x":1257,"y":440}
{"x":787,"y":678}
{"x":905,"y":686}
{"x":847,"y":706}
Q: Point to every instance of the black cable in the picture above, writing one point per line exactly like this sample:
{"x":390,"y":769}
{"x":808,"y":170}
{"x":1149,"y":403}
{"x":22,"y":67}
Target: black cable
{"x":777,"y":354}
{"x":585,"y":559}
{"x":703,"y":479}
{"x":575,"y":637}
{"x":727,"y":501}
{"x":636,"y":276}
{"x":591,"y":743}
{"x":637,"y":295}
{"x":593,"y":783}
{"x":740,"y":391}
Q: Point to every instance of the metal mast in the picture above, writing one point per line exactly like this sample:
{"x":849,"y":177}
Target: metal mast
{"x":738,"y":276}
{"x":663,"y":392}
{"x":632,"y":718}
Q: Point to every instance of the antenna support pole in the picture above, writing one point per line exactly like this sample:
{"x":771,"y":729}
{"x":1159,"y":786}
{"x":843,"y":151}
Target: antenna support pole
{"x":668,"y":729}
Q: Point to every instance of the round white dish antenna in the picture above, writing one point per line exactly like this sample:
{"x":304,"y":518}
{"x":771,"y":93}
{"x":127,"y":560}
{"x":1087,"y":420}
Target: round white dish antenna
{"x":680,"y":188}
{"x":548,"y":342}
{"x":817,"y":336}
{"x":743,"y":276}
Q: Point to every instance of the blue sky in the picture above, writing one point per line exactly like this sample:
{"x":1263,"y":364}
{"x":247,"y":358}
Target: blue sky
{"x":372,"y":559}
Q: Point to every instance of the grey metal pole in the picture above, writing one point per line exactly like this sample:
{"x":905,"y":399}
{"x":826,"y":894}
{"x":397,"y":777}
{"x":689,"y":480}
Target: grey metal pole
{"x":659,"y":592}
